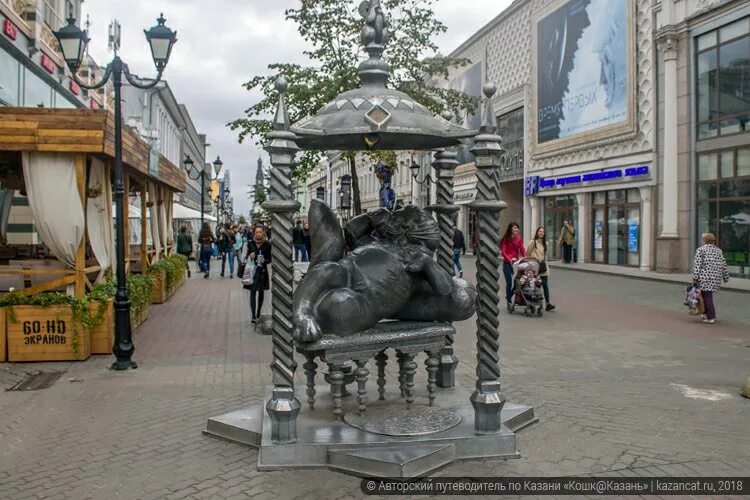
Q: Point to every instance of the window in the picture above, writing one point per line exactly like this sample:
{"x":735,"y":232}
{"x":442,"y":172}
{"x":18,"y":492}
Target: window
{"x":36,"y":92}
{"x":10,"y":72}
{"x":724,"y":205}
{"x":723,"y":80}
{"x":510,"y":128}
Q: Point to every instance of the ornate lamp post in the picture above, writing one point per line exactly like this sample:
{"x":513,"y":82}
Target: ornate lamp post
{"x":426,"y":178}
{"x":73,"y":43}
{"x":196,"y":173}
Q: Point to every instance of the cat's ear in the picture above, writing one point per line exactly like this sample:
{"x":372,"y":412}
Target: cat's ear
{"x":326,"y":236}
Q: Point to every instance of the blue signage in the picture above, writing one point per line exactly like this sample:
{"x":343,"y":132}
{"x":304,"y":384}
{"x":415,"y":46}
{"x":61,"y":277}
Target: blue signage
{"x":591,"y":177}
{"x":633,"y":236}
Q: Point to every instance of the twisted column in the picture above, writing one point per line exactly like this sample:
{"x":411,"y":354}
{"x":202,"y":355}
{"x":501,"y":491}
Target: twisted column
{"x":444,"y":164}
{"x":487,"y":399}
{"x":283,"y":407}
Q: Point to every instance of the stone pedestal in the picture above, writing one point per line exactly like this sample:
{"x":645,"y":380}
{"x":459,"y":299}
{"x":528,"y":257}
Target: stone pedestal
{"x":337,"y":445}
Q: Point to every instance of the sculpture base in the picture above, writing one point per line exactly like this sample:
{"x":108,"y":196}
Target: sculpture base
{"x":323,"y":442}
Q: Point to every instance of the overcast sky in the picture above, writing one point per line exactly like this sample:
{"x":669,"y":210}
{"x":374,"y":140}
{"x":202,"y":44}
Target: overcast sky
{"x":221,"y":44}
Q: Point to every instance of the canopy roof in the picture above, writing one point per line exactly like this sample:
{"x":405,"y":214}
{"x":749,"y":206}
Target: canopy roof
{"x":84,"y":131}
{"x":178,"y":212}
{"x":182,"y":212}
{"x":373,"y":116}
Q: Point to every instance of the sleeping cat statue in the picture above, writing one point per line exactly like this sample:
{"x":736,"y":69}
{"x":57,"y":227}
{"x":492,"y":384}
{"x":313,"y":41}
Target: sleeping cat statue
{"x":389,"y":273}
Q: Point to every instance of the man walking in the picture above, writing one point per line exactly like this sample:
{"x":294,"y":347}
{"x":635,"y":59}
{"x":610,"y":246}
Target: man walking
{"x":459,"y":247}
{"x":298,"y":241}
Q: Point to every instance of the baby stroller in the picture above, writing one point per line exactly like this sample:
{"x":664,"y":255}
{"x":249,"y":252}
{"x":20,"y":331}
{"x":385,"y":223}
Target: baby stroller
{"x":527,"y":287}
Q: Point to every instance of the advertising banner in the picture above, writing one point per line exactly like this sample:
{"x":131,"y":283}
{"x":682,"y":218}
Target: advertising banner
{"x":598,"y":235}
{"x":633,"y":236}
{"x":582,"y":68}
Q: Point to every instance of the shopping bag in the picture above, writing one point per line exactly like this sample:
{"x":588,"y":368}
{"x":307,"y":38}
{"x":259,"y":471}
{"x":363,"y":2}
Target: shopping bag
{"x":241,"y":268}
{"x":248,"y":275}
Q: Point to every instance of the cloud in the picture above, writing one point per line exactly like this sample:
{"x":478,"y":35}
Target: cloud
{"x":221,"y":44}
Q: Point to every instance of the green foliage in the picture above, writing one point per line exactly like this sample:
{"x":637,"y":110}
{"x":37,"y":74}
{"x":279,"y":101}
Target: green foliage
{"x":139,"y":291}
{"x":332,"y":28}
{"x":174,"y":268}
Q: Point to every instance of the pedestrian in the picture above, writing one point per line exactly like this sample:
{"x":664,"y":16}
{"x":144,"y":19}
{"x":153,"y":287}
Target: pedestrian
{"x":567,"y":239}
{"x":225,"y":243}
{"x":459,"y":247}
{"x":511,"y":247}
{"x":206,"y":239}
{"x":239,"y":243}
{"x":537,"y":249}
{"x":709,"y":271}
{"x":185,"y":245}
{"x":259,"y":256}
{"x":298,"y":241}
{"x":308,"y":241}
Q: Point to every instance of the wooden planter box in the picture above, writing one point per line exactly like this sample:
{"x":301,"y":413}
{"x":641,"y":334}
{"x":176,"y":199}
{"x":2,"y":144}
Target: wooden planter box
{"x":45,"y":334}
{"x":160,"y":294}
{"x":103,"y":335}
{"x":159,"y":291}
{"x":137,"y":320}
{"x":3,"y":335}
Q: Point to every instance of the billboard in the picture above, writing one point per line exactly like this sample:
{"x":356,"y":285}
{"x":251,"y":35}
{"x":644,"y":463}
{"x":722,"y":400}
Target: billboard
{"x":582,"y":70}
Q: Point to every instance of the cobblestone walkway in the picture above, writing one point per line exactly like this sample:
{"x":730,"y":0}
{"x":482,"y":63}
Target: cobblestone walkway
{"x":623,"y":381}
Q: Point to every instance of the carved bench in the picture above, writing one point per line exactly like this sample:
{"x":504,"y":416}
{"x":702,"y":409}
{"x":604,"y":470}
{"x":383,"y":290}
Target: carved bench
{"x":407,"y":338}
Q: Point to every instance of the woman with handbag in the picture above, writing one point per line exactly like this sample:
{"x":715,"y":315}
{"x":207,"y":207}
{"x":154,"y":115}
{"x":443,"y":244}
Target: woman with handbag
{"x":537,"y":249}
{"x":258,"y":259}
{"x":709,"y":272}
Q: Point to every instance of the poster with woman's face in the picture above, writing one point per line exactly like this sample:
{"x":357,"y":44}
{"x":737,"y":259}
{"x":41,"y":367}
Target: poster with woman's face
{"x":582,"y":68}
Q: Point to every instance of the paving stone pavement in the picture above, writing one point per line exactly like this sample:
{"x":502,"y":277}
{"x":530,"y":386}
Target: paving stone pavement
{"x":624,"y":383}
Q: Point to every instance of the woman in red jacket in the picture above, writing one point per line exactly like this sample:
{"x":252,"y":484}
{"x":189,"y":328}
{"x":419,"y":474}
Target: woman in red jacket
{"x":511,"y":248}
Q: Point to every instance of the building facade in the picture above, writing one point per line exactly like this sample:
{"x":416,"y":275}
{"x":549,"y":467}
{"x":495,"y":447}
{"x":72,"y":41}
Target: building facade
{"x":627,"y":118}
{"x":193,"y":145}
{"x":704,"y":129}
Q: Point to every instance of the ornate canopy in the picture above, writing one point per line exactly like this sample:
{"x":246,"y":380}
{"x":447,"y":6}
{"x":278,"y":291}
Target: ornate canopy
{"x":373,"y":116}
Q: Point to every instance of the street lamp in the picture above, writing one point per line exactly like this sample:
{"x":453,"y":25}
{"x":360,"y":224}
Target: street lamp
{"x":200,"y":173}
{"x":73,"y":43}
{"x":426,"y":179}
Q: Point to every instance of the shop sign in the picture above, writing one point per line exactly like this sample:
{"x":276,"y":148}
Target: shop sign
{"x":74,"y":87}
{"x":153,"y":160}
{"x":10,"y":29}
{"x":465,"y":196}
{"x":534,"y":184}
{"x":48,"y":64}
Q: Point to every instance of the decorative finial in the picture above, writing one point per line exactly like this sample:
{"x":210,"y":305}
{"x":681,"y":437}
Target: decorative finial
{"x":161,"y":20}
{"x":374,"y":71}
{"x":374,"y":31}
{"x":281,"y":84}
{"x":281,"y":120}
{"x":489,"y":126}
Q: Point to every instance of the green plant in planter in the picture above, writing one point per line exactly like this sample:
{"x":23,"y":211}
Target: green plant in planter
{"x":173,"y":268}
{"x":82,"y":312}
{"x":139,"y":291}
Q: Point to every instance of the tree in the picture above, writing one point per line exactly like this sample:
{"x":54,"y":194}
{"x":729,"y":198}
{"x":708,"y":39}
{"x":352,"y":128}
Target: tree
{"x":332,"y":27}
{"x":241,"y":221}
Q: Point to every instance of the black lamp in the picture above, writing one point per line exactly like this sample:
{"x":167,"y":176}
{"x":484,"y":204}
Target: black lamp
{"x":73,"y":41}
{"x":161,"y":39}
